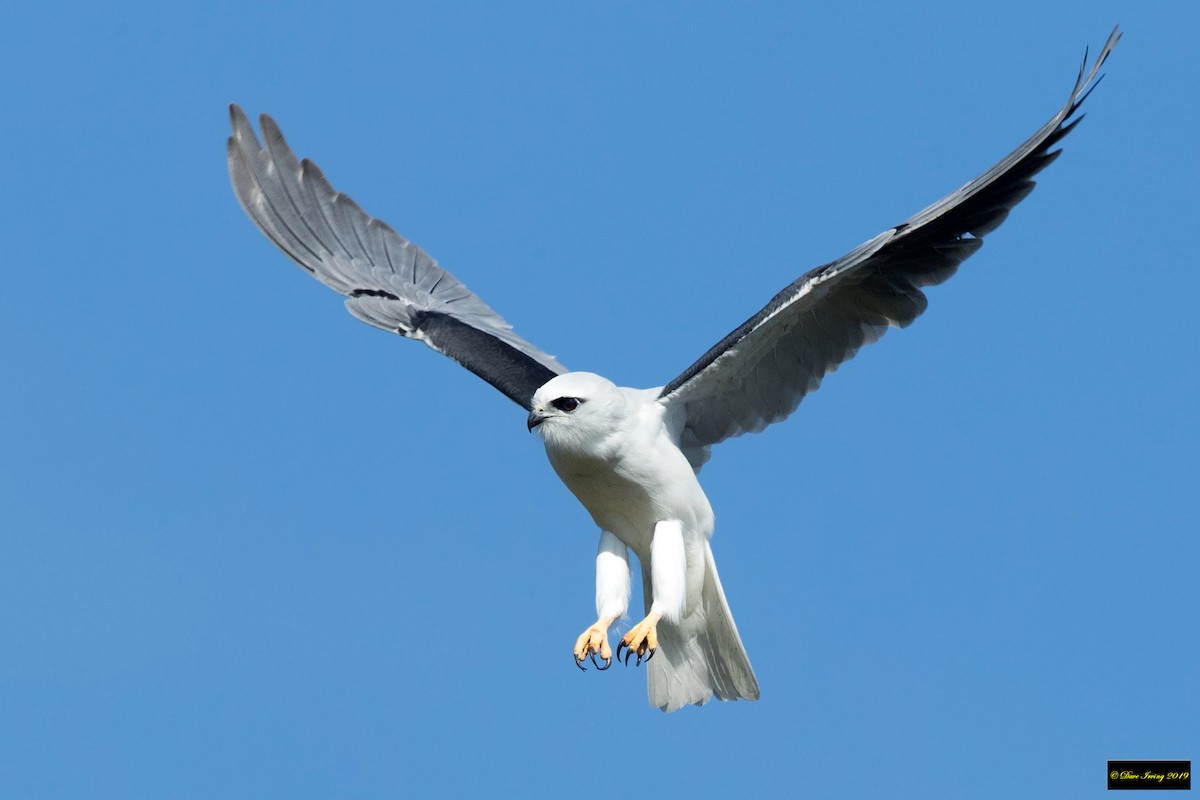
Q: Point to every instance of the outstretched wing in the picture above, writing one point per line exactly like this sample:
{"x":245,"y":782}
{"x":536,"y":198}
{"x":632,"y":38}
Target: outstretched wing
{"x":388,"y":281}
{"x":760,"y":372}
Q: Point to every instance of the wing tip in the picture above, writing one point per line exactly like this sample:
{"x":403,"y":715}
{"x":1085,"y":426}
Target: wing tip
{"x":242,"y":135}
{"x":1088,"y":80}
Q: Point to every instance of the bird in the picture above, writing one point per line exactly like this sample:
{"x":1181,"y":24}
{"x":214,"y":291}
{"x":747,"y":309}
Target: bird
{"x":632,"y":456}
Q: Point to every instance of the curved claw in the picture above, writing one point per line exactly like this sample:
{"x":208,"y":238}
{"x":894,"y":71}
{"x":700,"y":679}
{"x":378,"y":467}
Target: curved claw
{"x":641,"y":640}
{"x":593,"y":644}
{"x":643,"y":655}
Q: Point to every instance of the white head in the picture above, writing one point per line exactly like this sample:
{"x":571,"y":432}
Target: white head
{"x":576,"y":411}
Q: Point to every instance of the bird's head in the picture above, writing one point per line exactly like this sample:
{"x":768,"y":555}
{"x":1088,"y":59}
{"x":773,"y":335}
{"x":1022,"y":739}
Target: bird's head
{"x":575,"y":410}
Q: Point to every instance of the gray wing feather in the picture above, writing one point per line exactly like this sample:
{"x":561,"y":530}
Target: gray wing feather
{"x":761,"y":371}
{"x":388,"y":281}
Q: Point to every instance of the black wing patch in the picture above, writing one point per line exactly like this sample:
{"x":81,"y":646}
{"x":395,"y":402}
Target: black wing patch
{"x":512,"y":372}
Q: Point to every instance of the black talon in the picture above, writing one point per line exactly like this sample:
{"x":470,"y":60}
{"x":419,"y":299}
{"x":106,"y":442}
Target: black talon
{"x":619,"y":646}
{"x":628,"y":653}
{"x":607,"y":663}
{"x":579,"y":663}
{"x":650,"y":655}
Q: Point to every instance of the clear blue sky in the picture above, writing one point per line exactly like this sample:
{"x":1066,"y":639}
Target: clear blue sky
{"x":252,"y":548}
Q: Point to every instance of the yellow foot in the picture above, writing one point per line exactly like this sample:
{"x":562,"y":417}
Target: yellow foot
{"x":642,"y":640}
{"x":593,"y":642}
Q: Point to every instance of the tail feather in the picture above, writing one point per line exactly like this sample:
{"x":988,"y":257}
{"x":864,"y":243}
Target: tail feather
{"x":702,"y":654}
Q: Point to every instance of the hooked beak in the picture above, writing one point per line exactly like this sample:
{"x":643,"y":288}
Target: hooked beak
{"x":534,"y":420}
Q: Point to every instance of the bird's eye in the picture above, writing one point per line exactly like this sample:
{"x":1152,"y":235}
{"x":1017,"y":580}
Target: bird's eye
{"x":567,"y":404}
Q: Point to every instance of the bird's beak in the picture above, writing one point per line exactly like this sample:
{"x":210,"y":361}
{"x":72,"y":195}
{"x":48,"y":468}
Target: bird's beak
{"x":534,"y":420}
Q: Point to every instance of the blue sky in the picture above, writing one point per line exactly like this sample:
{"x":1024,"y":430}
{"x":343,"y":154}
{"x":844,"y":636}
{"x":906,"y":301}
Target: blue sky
{"x":250,"y":547}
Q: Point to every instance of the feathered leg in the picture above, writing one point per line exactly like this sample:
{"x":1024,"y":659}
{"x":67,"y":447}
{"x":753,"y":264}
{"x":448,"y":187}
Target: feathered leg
{"x":612,"y":600}
{"x":668,"y":584}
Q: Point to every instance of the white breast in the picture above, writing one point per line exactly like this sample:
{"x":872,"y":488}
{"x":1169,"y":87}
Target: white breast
{"x":632,"y":475}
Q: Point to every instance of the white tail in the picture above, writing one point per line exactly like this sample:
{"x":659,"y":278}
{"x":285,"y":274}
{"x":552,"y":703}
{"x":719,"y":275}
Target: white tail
{"x":702,"y":654}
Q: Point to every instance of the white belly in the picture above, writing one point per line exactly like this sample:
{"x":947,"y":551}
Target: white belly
{"x":627,"y":493}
